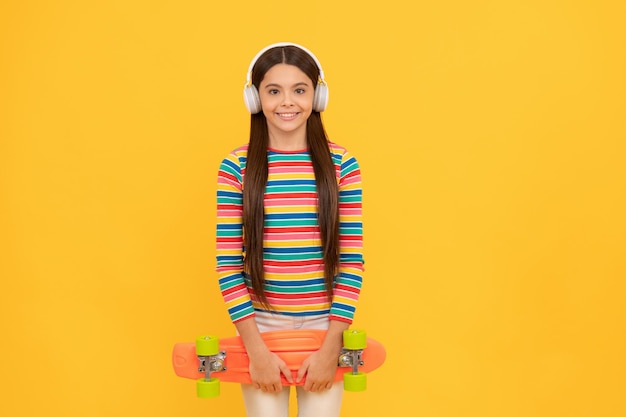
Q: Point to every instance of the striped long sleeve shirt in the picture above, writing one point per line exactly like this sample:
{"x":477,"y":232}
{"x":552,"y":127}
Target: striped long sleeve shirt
{"x":292,"y":254}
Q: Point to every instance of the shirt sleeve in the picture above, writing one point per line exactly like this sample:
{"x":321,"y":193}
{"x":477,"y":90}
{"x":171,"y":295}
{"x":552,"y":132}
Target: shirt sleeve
{"x":229,"y":240}
{"x":349,"y":280}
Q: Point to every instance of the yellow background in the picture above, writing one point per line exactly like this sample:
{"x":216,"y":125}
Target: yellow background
{"x":491,"y":136}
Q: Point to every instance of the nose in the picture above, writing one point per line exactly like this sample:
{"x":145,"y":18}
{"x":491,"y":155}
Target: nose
{"x":287,"y":100}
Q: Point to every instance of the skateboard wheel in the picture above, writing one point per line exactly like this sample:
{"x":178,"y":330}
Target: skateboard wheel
{"x":354,"y":339}
{"x":208,"y":389}
{"x":354,"y":382}
{"x":207,"y":346}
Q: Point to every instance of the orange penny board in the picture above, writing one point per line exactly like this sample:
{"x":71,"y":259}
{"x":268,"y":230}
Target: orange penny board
{"x":292,"y":346}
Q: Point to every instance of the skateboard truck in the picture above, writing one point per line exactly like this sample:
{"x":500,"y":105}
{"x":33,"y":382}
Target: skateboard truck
{"x":351,"y":359}
{"x":211,"y":360}
{"x":354,"y":342}
{"x":213,"y":363}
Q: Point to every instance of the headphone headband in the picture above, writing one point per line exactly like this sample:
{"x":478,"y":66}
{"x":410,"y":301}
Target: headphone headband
{"x":278,"y":45}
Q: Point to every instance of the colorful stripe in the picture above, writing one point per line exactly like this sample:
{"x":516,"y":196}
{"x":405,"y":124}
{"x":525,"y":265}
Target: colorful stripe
{"x":293,"y":261}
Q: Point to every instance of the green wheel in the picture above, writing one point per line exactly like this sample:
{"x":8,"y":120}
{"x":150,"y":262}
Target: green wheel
{"x":207,"y":346}
{"x":354,"y":382}
{"x":354,"y":339}
{"x":208,"y":389}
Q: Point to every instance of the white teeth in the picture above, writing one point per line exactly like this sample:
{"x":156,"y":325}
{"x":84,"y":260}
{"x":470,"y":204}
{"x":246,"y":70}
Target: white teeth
{"x":287,"y":114}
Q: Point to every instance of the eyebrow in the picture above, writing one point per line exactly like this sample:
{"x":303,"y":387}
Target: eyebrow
{"x":280,"y":86}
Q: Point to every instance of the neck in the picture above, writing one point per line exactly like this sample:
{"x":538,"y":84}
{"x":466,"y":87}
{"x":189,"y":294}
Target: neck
{"x":283,"y":142}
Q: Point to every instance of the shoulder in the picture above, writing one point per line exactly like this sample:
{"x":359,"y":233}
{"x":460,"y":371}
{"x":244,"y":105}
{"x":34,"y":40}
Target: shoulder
{"x":337,"y":149}
{"x":240,"y":152}
{"x":238,"y":155}
{"x":235,"y":161}
{"x":341,"y":155}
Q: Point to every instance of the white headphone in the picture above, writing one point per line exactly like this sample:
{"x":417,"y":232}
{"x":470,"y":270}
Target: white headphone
{"x":251,"y":94}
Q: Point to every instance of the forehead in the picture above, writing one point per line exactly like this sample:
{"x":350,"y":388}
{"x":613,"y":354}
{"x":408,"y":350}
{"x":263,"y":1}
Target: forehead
{"x":285,"y":74}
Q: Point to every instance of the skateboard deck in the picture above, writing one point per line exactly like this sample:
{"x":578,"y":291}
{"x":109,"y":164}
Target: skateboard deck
{"x":292,"y":346}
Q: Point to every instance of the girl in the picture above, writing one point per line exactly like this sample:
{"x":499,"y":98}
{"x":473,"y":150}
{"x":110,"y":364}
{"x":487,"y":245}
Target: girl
{"x":289,"y":232}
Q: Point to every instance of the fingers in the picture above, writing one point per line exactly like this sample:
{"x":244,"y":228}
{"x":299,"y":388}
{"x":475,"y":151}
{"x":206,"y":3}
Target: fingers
{"x":266,"y":374}
{"x":268,"y":384}
{"x":316,"y":380}
{"x":311,"y":387}
{"x":287,"y":372}
{"x":318,"y":386}
{"x":302,"y":371}
{"x":269,"y":387}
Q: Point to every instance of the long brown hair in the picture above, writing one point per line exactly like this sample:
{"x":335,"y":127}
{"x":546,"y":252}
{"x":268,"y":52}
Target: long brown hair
{"x":255,"y":179}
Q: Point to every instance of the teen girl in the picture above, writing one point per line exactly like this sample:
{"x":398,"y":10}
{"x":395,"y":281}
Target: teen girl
{"x":289,"y":232}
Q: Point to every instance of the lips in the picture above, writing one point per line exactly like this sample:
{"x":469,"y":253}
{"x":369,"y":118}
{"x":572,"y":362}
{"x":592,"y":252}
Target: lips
{"x":287,"y":116}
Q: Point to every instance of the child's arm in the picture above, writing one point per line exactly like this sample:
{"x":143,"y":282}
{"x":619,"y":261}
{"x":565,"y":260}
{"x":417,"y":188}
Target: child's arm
{"x":350,"y":277}
{"x":229,"y":239}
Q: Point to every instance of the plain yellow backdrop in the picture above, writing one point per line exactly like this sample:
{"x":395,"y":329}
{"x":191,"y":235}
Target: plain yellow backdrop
{"x":491,"y":137}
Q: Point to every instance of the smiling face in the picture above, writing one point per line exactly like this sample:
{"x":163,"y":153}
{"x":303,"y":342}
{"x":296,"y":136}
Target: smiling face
{"x":286,"y":95}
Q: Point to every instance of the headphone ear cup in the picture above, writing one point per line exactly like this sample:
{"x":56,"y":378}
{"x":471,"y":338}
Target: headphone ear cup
{"x":252,"y":99}
{"x":320,"y":99}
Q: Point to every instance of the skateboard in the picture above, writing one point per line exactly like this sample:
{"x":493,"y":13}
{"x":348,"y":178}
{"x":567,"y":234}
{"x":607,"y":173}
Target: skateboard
{"x":210,"y":360}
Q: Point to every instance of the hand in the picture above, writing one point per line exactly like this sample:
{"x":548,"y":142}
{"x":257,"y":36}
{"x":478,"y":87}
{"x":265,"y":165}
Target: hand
{"x":265,"y":367}
{"x":265,"y":372}
{"x":320,"y":369}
